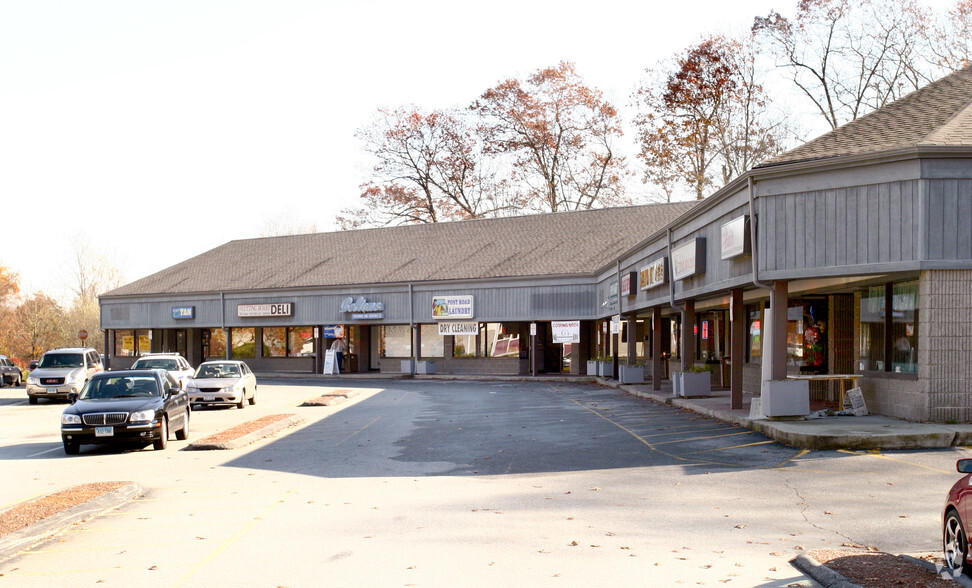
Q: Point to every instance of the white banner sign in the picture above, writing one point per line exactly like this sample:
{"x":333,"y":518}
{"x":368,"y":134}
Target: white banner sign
{"x":565,"y":331}
{"x":278,"y":309}
{"x":458,"y":328}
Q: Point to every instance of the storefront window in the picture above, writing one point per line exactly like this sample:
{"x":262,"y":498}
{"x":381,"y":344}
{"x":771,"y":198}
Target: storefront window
{"x":244,"y":343}
{"x":872,"y":329}
{"x":124,"y":343}
{"x":274,"y":341}
{"x":300,"y":341}
{"x":806,"y":339}
{"x":396,"y":340}
{"x":143,"y":339}
{"x":754,"y":333}
{"x":904,"y":331}
{"x":500,"y":340}
{"x":464,"y":346}
{"x":433,"y":344}
{"x":214,"y":341}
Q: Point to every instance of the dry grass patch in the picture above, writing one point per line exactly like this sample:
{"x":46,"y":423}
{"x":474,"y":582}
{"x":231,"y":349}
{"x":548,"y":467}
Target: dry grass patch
{"x":28,"y":513}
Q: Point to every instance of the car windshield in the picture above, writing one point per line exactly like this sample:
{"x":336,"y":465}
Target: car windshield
{"x":218,"y":370}
{"x":160,"y":364}
{"x":120,"y":387}
{"x":62,"y":360}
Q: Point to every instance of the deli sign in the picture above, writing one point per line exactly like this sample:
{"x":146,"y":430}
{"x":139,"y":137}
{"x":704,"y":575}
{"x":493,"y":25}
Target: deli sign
{"x":260,"y":310}
{"x":735,"y":238}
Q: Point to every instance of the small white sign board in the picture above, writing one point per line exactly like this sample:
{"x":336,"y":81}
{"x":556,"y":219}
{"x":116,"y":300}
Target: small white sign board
{"x":330,"y":362}
{"x":856,"y":398}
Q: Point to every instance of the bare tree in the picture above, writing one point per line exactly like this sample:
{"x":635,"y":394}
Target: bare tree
{"x":285,"y":224}
{"x":848,"y":57}
{"x":949,"y":37}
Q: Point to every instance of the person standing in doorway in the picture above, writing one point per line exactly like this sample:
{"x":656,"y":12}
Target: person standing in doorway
{"x":338,"y":348}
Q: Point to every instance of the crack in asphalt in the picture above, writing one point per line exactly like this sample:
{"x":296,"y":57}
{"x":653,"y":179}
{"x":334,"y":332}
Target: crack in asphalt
{"x":805,"y":506}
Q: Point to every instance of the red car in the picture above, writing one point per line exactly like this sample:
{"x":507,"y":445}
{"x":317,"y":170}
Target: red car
{"x":958,"y":507}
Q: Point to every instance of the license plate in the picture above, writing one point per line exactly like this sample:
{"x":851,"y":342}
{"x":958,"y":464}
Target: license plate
{"x":104,"y":431}
{"x":209,"y":398}
{"x":52,"y":390}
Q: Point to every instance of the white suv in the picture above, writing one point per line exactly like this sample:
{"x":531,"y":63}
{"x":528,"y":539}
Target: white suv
{"x":63,"y":371}
{"x":173,"y":363}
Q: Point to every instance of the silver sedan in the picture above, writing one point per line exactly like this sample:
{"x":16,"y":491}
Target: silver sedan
{"x":222,"y":382}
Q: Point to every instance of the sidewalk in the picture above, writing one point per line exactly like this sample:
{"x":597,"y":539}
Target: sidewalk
{"x":836,"y":432}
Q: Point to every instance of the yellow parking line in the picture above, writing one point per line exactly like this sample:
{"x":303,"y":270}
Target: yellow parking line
{"x":226,"y":544}
{"x":734,"y":447}
{"x":746,"y":432}
{"x":880,"y":456}
{"x":358,"y":431}
{"x":694,"y":429}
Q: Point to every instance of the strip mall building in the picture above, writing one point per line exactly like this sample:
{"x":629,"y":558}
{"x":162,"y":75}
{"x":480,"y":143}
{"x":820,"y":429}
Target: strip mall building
{"x":851,"y":254}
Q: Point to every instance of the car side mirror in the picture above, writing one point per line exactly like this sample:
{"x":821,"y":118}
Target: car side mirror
{"x":73,"y":397}
{"x":964,"y":466}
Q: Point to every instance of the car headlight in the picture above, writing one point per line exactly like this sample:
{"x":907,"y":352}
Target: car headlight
{"x":75,"y":377}
{"x":70,"y":419}
{"x":192,"y":386}
{"x":32,"y":379}
{"x":142,"y":415}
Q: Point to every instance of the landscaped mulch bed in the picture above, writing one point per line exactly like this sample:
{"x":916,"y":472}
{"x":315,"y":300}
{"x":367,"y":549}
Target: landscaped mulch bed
{"x":244,"y":429}
{"x":876,"y":569}
{"x":28,"y":513}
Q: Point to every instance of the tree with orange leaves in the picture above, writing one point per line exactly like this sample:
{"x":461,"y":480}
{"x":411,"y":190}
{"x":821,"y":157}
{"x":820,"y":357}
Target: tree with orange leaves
{"x":429,"y":168}
{"x":557,"y":134}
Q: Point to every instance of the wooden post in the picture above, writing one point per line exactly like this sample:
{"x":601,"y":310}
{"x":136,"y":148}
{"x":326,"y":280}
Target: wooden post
{"x":737,"y":348}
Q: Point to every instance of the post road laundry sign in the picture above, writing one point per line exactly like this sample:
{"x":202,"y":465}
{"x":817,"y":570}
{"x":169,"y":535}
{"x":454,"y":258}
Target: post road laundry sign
{"x":452,"y":307}
{"x":275,"y":309}
{"x":459,"y":328}
{"x":565,"y":331}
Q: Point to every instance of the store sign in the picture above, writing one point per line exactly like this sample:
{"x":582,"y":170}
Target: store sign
{"x":616,"y":324}
{"x":459,"y":328}
{"x":735,"y":238}
{"x":689,"y":259}
{"x":183,"y":312}
{"x":627,"y":281}
{"x":257,"y":310}
{"x":652,"y":275}
{"x":452,"y":307}
{"x":565,"y":331}
{"x":350,"y":304}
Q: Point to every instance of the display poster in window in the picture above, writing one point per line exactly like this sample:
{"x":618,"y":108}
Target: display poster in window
{"x":333,"y":331}
{"x":565,"y":331}
{"x":452,"y":307}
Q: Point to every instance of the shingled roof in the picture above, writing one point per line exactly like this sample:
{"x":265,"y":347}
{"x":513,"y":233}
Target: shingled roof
{"x":544,"y":244}
{"x":937,"y":114}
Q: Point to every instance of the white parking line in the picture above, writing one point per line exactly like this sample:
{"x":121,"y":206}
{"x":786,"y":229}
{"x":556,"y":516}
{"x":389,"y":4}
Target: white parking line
{"x":43,"y":452}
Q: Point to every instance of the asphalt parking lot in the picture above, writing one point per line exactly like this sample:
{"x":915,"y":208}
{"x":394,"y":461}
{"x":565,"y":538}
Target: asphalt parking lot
{"x":473,"y":483}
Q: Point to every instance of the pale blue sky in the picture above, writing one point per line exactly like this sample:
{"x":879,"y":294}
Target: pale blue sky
{"x":160,"y":130}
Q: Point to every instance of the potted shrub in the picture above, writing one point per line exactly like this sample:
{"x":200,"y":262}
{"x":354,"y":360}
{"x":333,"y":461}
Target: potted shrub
{"x":632,"y":374}
{"x":696,"y":381}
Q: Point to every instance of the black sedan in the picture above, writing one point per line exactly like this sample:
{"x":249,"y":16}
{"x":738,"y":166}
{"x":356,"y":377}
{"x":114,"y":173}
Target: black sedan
{"x":126,"y":407}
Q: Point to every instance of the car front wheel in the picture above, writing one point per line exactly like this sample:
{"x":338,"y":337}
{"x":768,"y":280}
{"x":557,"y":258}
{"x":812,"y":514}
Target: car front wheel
{"x":163,"y":439}
{"x":956,"y":543}
{"x":242,"y":402}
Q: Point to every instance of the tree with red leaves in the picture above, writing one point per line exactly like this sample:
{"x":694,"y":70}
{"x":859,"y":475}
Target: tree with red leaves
{"x":558,"y":135}
{"x":429,"y":168}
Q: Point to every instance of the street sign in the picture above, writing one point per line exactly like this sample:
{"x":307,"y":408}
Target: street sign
{"x":82,"y":334}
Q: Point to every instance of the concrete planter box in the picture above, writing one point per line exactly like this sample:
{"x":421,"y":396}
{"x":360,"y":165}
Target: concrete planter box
{"x":592,"y":368}
{"x":785,"y":398}
{"x":695,"y":384}
{"x":605,"y":369}
{"x":676,"y":383}
{"x":631,"y":374}
{"x":424,"y":367}
{"x":407,"y":366}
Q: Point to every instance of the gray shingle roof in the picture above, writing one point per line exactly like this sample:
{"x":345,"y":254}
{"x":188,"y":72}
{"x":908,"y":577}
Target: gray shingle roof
{"x":543,"y":244}
{"x":937,"y":114}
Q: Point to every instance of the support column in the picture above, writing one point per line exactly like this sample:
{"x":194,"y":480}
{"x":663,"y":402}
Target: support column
{"x":656,"y":343}
{"x":632,"y":328}
{"x":107,"y":355}
{"x":778,"y":302}
{"x":229,"y":343}
{"x":737,"y":348}
{"x":688,"y":335}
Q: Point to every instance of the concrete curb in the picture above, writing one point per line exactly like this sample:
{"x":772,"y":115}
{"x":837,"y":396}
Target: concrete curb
{"x":253,"y":437}
{"x":820,"y":573}
{"x":46,"y":528}
{"x":943,"y":573}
